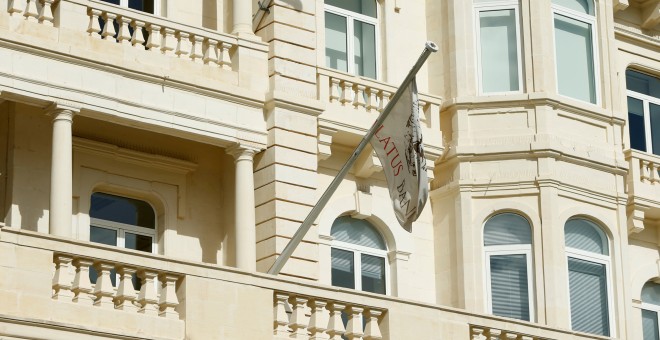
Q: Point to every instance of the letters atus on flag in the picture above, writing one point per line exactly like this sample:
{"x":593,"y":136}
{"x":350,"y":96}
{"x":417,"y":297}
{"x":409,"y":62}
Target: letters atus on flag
{"x":398,"y":144}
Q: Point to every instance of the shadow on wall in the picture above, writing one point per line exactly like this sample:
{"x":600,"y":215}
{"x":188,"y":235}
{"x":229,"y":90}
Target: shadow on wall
{"x":296,"y":4}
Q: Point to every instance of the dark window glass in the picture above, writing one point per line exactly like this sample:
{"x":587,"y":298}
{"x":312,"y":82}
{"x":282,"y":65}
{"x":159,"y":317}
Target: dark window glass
{"x":122,"y":210}
{"x":373,"y":274}
{"x":636,"y":124}
{"x":343,"y":268}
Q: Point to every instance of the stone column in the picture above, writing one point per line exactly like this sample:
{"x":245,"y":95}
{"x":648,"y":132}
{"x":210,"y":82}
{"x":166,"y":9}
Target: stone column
{"x":61,"y":177}
{"x":242,"y":18}
{"x":245,"y":232}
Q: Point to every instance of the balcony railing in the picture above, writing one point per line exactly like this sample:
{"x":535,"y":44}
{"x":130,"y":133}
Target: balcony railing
{"x":643,"y":188}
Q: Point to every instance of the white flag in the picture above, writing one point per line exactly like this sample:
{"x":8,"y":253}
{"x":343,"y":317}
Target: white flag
{"x":398,"y":144}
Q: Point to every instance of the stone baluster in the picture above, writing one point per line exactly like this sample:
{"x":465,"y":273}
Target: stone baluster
{"x":384,"y":99}
{"x":94,"y":27}
{"x":372,"y":101}
{"x":168,"y":301}
{"x":124,"y":33}
{"x":15,"y":6}
{"x":168,"y":41}
{"x":148,"y":297}
{"x":210,"y":52}
{"x":495,"y":334}
{"x":358,"y":100}
{"x":318,"y":321}
{"x":183,"y":46}
{"x":46,"y":13}
{"x":225,"y":59}
{"x":511,"y":336}
{"x":31,"y":11}
{"x":422,"y":111}
{"x":125,"y":291}
{"x":346,"y":92}
{"x":336,"y":327}
{"x":108,"y":27}
{"x":63,"y":278}
{"x":138,"y":36}
{"x":196,"y":50}
{"x":154,"y":40}
{"x":280,"y":317}
{"x":645,"y":171}
{"x":334,"y":90}
{"x":478,"y":334}
{"x":354,"y":329}
{"x":372,"y":328}
{"x":298,"y":323}
{"x":524,"y":337}
{"x":82,"y":287}
{"x":103,"y":289}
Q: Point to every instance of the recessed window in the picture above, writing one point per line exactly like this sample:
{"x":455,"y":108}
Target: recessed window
{"x":358,"y":256}
{"x":643,"y":111}
{"x":498,"y":46}
{"x":651,"y":311}
{"x":508,"y":253}
{"x":575,"y":49}
{"x":588,"y":276}
{"x":351,"y":36}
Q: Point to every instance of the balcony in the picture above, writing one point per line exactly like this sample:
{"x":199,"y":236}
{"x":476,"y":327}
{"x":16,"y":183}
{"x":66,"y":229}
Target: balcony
{"x":643,"y":188}
{"x":46,"y":288}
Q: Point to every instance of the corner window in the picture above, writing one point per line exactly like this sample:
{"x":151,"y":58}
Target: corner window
{"x":358,"y":256}
{"x":588,"y":276}
{"x":508,"y":253}
{"x":651,"y":311}
{"x":643,"y":111}
{"x":574,"y":22}
{"x":148,"y":6}
{"x":351,"y":36}
{"x":498,"y":46}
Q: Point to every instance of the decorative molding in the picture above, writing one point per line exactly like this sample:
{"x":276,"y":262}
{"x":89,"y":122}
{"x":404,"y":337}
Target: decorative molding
{"x":619,"y":5}
{"x":325,"y":136}
{"x":651,"y":15}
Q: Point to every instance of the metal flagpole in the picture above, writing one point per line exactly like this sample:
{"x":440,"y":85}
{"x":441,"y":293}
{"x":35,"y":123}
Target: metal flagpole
{"x":429,"y":48}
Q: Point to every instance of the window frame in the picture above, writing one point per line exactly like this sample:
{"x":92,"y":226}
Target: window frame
{"x":124,"y":4}
{"x":350,"y":31}
{"x":495,"y":6}
{"x":122,"y":228}
{"x":647,"y":100}
{"x":357,"y":252}
{"x":589,"y":20}
{"x":598,"y":259}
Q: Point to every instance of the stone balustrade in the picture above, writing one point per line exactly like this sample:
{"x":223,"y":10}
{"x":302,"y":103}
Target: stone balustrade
{"x":155,"y":294}
{"x":643,"y":188}
{"x":34,"y":10}
{"x":486,"y":333}
{"x":313,"y":318}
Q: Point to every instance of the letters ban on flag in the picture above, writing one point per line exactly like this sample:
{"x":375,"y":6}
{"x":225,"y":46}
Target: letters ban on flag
{"x":398,"y":144}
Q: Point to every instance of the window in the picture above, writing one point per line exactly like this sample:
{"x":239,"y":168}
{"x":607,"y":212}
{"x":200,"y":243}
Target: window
{"x":359,"y":20}
{"x":149,"y":6}
{"x":588,"y":276}
{"x":358,"y":256}
{"x":122,"y":222}
{"x":508,"y":250}
{"x":574,"y":49}
{"x":498,"y":46}
{"x":650,"y":311}
{"x":643,"y":111}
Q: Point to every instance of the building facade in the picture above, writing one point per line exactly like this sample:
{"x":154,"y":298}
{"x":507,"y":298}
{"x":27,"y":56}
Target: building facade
{"x":156,"y":156}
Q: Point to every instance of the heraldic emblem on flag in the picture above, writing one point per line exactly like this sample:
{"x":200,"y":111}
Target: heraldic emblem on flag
{"x":398,"y":144}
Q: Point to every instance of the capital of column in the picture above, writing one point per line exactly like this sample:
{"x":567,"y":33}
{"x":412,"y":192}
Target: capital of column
{"x":242,"y":152}
{"x":62,"y":111}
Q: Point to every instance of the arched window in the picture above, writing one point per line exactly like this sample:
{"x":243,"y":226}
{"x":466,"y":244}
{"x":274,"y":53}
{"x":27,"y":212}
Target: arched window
{"x":574,"y":22}
{"x":651,"y":311}
{"x":351,"y":29}
{"x":508,"y":251}
{"x":358,"y":256}
{"x":588,"y":257}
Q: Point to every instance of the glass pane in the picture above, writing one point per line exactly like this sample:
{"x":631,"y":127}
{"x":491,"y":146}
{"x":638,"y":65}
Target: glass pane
{"x":373,"y":274}
{"x":655,"y":128}
{"x":651,"y":293}
{"x":499,"y":51}
{"x":115,"y":2}
{"x":588,"y":295}
{"x":642,"y":83}
{"x":507,"y":228}
{"x":139,"y":242}
{"x":509,"y":286}
{"x":343,"y":268}
{"x":366,"y":7}
{"x":636,"y":124}
{"x":122,"y":210}
{"x":582,"y":6}
{"x":359,"y":232}
{"x":574,"y":54}
{"x":142,"y":5}
{"x":365,"y":49}
{"x":103,"y":235}
{"x":336,"y":52}
{"x":585,"y":235}
{"x":650,"y":325}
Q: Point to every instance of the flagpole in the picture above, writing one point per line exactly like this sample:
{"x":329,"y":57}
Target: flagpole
{"x":429,"y":48}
